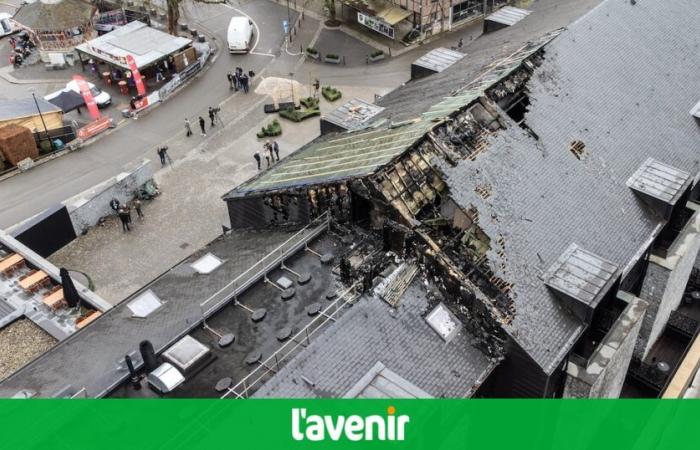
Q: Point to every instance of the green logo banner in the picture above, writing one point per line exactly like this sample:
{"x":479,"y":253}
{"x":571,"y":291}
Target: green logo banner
{"x":348,"y":424}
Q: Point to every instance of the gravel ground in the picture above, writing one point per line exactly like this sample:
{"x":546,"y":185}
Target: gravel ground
{"x":20,"y":342}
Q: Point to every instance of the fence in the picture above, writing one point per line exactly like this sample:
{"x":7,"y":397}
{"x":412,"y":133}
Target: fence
{"x":267,"y":263}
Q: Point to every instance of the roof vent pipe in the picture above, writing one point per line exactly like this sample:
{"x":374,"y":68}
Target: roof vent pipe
{"x":148,"y":355}
{"x":133,"y":376}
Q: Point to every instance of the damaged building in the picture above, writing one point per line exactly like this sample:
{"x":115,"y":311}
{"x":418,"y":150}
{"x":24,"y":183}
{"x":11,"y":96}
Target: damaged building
{"x":526,"y":227}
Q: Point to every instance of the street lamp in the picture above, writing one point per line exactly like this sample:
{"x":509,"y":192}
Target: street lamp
{"x":42,"y":122}
{"x":291,"y":82}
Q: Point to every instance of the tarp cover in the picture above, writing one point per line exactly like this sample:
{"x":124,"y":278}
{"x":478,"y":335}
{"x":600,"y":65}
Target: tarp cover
{"x":68,"y":101}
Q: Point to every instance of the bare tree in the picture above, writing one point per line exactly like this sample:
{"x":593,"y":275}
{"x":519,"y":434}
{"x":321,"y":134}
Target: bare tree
{"x":173,"y":11}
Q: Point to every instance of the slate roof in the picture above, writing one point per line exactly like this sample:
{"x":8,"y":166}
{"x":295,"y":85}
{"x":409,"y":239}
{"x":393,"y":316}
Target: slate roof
{"x":54,"y":16}
{"x":25,"y":107}
{"x":92,"y":358}
{"x":620,"y":80}
{"x":402,"y":340}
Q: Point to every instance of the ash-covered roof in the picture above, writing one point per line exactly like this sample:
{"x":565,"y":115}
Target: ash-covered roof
{"x":54,"y":15}
{"x":543,"y":197}
{"x":401,"y":339}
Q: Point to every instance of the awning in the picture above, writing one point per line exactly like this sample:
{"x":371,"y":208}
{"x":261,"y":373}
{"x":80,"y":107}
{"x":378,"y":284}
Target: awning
{"x":393,"y":15}
{"x":380,"y":9}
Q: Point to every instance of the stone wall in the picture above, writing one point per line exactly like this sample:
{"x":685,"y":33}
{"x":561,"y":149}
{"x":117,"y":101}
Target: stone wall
{"x":86,"y":208}
{"x":675,"y":268}
{"x":607,"y":367}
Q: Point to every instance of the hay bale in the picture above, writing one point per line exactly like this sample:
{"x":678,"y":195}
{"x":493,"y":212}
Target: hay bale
{"x":17,"y":143}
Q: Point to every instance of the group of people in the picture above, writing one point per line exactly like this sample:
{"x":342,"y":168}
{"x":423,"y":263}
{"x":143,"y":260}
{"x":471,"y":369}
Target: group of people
{"x":22,"y":47}
{"x":213,"y":119}
{"x":124,"y":211}
{"x":239,"y":80}
{"x":271,"y":147}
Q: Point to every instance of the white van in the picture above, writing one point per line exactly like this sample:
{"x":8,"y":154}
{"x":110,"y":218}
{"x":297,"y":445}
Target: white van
{"x":7,"y":25}
{"x":102,"y":98}
{"x":240,"y":35}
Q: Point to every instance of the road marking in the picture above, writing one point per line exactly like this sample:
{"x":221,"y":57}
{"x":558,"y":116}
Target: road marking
{"x":262,"y":54}
{"x":257,"y":30}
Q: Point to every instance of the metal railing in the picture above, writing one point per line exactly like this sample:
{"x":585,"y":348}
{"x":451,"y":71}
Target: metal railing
{"x":267,"y":263}
{"x":301,"y":339}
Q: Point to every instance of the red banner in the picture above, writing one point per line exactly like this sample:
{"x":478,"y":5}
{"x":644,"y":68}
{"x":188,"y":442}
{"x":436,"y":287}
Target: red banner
{"x":140,"y":87}
{"x":94,"y":128}
{"x":87,"y":96}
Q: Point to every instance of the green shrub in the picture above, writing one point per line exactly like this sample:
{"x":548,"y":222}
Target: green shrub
{"x":332,"y":56}
{"x":330,"y":93}
{"x":376,"y":53}
{"x":299,"y":115}
{"x":309,"y":102}
{"x":311,"y":50}
{"x":273,"y":129}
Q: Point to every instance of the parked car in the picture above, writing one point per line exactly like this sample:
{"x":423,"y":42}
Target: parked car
{"x":7,"y":25}
{"x":240,"y":35}
{"x":102,"y":98}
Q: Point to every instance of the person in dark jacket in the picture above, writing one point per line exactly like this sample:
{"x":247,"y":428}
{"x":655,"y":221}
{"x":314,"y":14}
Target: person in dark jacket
{"x":124,"y":217}
{"x":202,"y":125}
{"x":256,"y":155}
{"x":212,"y":116}
{"x":276,"y":148}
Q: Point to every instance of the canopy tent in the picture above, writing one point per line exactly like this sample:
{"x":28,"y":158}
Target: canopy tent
{"x":147,"y":45}
{"x":68,"y":101}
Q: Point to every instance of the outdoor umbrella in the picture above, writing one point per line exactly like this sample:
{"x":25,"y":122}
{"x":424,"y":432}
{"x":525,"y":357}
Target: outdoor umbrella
{"x":282,"y":89}
{"x":68,"y":101}
{"x":70,"y":293}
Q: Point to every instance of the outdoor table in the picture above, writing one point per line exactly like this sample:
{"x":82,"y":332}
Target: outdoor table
{"x":83,"y":321}
{"x":33,"y":281}
{"x":107,"y":77}
{"x":10,"y":263}
{"x":55,"y":300}
{"x":123,"y":88}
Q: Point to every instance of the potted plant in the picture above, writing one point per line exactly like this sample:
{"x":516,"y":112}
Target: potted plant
{"x":332,"y":58}
{"x":312,"y":53}
{"x":273,"y":129}
{"x":330,"y":93}
{"x":377,"y":55}
{"x":309,"y":102}
{"x":299,"y":115}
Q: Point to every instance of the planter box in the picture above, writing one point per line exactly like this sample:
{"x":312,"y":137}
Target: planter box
{"x":376,"y":58}
{"x":315,"y":56}
{"x":331,"y":60}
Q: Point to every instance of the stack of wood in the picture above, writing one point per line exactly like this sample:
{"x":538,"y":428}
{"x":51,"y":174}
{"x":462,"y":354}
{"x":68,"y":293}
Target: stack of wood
{"x":17,"y":143}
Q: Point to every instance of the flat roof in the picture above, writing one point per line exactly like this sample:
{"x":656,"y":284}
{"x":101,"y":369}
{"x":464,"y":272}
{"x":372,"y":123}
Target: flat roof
{"x":93,"y":358}
{"x":508,"y":15}
{"x":147,"y":45}
{"x":354,"y":114}
{"x":439,"y":59}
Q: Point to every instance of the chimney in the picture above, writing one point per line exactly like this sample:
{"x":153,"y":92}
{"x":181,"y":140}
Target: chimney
{"x":148,"y":355}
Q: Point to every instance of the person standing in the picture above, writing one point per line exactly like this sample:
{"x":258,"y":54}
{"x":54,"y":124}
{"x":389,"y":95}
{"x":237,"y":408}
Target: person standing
{"x":256,"y":155}
{"x":161,"y":155}
{"x":229,"y":77}
{"x":124,"y":217}
{"x":268,"y":161}
{"x":188,"y":127}
{"x":212,"y":116}
{"x":244,"y":82}
{"x":268,"y":149}
{"x":202,"y":125}
{"x":276,"y":148}
{"x":137,"y":207}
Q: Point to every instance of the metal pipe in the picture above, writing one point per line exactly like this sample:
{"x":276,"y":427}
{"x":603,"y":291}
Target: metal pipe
{"x":43,"y":122}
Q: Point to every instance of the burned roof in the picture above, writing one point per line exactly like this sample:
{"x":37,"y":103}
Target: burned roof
{"x":400,"y":338}
{"x":54,"y":15}
{"x":543,"y":196}
{"x":343,"y":156}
